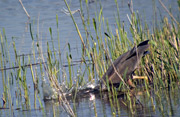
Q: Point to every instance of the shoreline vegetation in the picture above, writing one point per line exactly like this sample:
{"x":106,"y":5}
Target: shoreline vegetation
{"x":161,"y":66}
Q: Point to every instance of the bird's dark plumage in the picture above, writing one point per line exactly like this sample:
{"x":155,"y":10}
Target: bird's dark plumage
{"x":126,"y":64}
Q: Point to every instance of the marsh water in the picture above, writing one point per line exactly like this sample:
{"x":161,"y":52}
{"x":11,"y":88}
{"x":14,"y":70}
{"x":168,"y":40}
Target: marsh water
{"x":43,"y":16}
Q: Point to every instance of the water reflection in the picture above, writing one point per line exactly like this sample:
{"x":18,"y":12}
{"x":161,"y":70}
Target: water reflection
{"x":145,"y":104}
{"x":151,"y":104}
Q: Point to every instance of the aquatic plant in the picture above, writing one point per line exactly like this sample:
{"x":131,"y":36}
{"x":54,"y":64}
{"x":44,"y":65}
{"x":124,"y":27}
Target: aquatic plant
{"x":99,"y":47}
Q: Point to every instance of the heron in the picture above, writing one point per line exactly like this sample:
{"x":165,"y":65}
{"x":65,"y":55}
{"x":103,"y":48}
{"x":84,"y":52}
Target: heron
{"x":125,"y":65}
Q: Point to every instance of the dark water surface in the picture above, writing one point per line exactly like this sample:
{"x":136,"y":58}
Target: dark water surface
{"x":43,"y":16}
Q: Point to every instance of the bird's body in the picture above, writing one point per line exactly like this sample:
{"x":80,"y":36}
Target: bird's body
{"x":125,"y":65}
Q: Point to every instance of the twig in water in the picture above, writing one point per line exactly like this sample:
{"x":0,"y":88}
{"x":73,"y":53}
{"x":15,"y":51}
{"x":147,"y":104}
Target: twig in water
{"x":170,"y":14}
{"x":77,"y":29}
{"x":24,"y":9}
{"x":56,"y":86}
{"x":131,"y":7}
{"x":15,"y":67}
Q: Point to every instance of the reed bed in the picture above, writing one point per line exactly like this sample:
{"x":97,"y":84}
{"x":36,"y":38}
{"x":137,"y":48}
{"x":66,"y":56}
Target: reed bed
{"x":161,"y":66}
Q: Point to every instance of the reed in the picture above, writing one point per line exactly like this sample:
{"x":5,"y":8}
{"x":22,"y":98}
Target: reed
{"x":1,"y":59}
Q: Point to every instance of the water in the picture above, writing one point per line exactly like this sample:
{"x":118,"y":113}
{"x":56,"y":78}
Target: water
{"x":43,"y":16}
